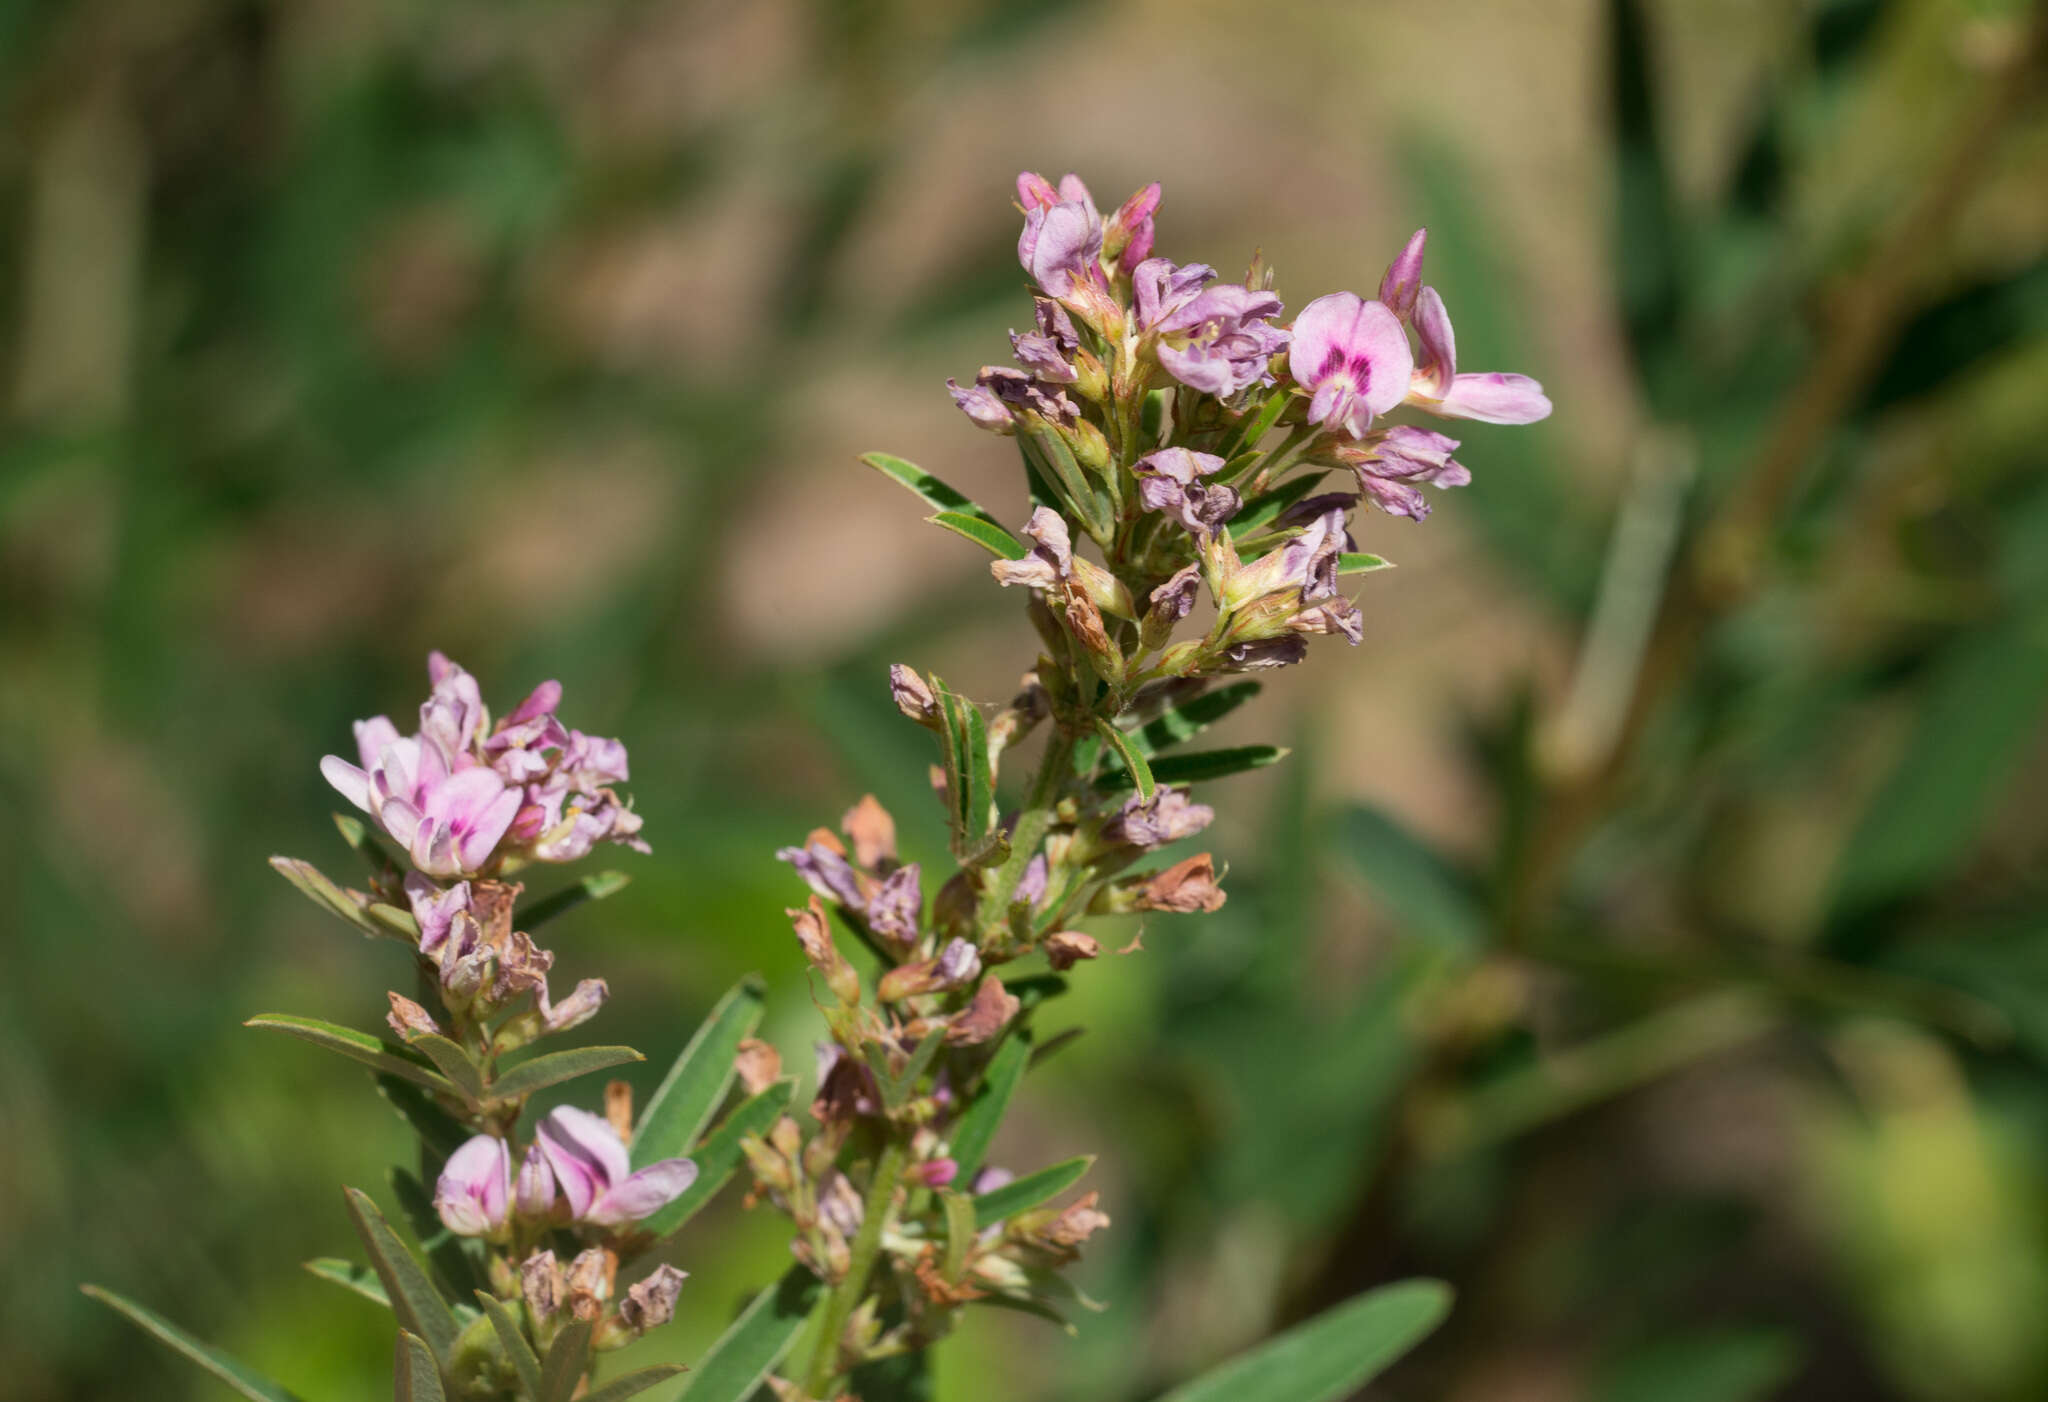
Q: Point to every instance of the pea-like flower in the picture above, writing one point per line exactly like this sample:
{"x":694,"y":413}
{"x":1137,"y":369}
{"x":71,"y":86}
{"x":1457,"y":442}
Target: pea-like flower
{"x":588,"y":1163}
{"x":1494,"y":398}
{"x":449,"y":821}
{"x":1352,"y":357}
{"x":475,"y":1188}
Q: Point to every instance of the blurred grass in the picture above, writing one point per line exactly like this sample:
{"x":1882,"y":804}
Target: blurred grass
{"x":547,"y":334}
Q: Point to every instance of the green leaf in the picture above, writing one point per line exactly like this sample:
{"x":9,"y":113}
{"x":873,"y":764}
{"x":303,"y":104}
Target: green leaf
{"x":755,"y":1342}
{"x":350,"y":1276}
{"x":594,"y":887}
{"x":1135,"y":767}
{"x":977,"y":1126}
{"x":1960,"y":332}
{"x":690,"y":1094}
{"x":633,"y":1383}
{"x":1201,"y":766}
{"x":525,"y":1361}
{"x":414,"y":1376}
{"x":1983,"y":706}
{"x":896,"y":1087}
{"x":1424,"y":895}
{"x":1646,"y":242}
{"x":414,"y":1300}
{"x":384,"y":1056}
{"x":1176,"y":724}
{"x":454,"y":1062}
{"x":961,"y":1226}
{"x":986,"y":534}
{"x":1030,"y":1190}
{"x":330,"y":897}
{"x":1330,"y":1356}
{"x":1730,"y":1365}
{"x":935,"y":493}
{"x":540,"y":1072}
{"x":1090,"y":507}
{"x":719,"y":1156}
{"x":567,"y":1357}
{"x":1358,"y":562}
{"x":1268,"y":504}
{"x":232,"y":1371}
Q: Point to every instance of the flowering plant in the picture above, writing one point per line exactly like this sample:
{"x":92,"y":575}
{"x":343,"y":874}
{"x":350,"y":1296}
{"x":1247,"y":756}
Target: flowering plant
{"x":1178,"y":441}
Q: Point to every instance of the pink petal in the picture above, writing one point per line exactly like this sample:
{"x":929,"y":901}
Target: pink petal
{"x":585,"y":1152}
{"x":1404,"y":275}
{"x":352,"y":783}
{"x":644,"y":1193}
{"x":1494,"y":398}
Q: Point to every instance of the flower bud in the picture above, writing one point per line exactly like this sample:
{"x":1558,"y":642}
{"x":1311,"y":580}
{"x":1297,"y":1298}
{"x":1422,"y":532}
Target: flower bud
{"x":816,"y":938}
{"x":985,"y":1017}
{"x":652,"y":1302}
{"x":542,"y":1284}
{"x":914,"y":696}
{"x":590,"y":1282}
{"x":409,"y":1020}
{"x":533,"y":1192}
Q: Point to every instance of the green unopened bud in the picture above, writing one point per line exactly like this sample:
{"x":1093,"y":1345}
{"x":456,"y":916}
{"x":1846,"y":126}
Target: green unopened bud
{"x":1091,"y":449}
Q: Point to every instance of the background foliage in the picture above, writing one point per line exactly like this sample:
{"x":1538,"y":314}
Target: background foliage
{"x":1663,"y":965}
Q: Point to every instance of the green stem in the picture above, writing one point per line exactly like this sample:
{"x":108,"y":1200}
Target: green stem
{"x":1032,"y":823}
{"x":867,"y":1245}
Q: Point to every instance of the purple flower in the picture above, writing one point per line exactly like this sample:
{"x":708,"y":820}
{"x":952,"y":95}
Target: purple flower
{"x":1493,"y":398}
{"x":1167,"y":817}
{"x":453,"y":715}
{"x":981,"y":404}
{"x":958,"y":963}
{"x":1306,"y":561}
{"x":1167,"y":481}
{"x":1046,"y":351}
{"x":1393,"y":469}
{"x":533,"y":1191}
{"x":1220,"y":341}
{"x":897,"y":906}
{"x":1062,"y":239}
{"x":475,"y":1186}
{"x":1352,"y":357}
{"x":1128,"y":238}
{"x":652,"y":1303}
{"x":1265,"y":653}
{"x":1052,"y":559}
{"x":1404,"y":276}
{"x":826,"y":871}
{"x":435,"y":909}
{"x":449,"y":822}
{"x":1175,"y":599}
{"x":594,"y":1173}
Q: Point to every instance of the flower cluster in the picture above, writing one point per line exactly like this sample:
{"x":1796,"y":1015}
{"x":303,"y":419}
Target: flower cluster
{"x":576,"y":1171}
{"x":1143,"y":400}
{"x":464,"y":797}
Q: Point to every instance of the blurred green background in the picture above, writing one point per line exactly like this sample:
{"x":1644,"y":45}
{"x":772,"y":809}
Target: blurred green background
{"x":1699,"y":1043}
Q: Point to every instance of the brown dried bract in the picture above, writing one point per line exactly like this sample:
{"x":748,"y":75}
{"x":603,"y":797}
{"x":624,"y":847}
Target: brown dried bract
{"x":988,"y":1014}
{"x":757,"y":1064}
{"x":1184,"y":888}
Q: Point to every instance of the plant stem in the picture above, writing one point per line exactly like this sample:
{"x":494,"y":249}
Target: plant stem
{"x":867,"y":1245}
{"x":1032,"y":822}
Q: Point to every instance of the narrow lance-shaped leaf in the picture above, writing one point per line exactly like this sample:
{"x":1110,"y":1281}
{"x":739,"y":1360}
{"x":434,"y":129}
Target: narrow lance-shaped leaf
{"x":756,"y":1341}
{"x":690,"y":1094}
{"x":986,"y":534}
{"x":414,"y":1300}
{"x":594,"y":887}
{"x":371,"y":1051}
{"x":1330,"y":1356}
{"x":331,"y":898}
{"x":719,"y":1156}
{"x":350,"y":1276}
{"x":415,"y":1376}
{"x":935,"y":493}
{"x":632,"y":1384}
{"x":567,"y":1358}
{"x":1358,"y":562}
{"x":555,"y":1067}
{"x":961,"y":1226}
{"x":1267,"y":505}
{"x":1201,"y":766}
{"x":232,"y":1371}
{"x":1030,"y":1190}
{"x":1135,"y":767}
{"x":512,"y":1338}
{"x":977,"y":1126}
{"x":454,"y":1062}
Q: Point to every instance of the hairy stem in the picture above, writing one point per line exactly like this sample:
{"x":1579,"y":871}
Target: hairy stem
{"x":867,"y":1245}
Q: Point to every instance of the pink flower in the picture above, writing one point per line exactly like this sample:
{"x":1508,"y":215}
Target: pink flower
{"x":1352,"y":357}
{"x":475,"y":1187}
{"x":448,"y":821}
{"x":1062,"y":237}
{"x":1493,"y":398}
{"x":590,"y":1166}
